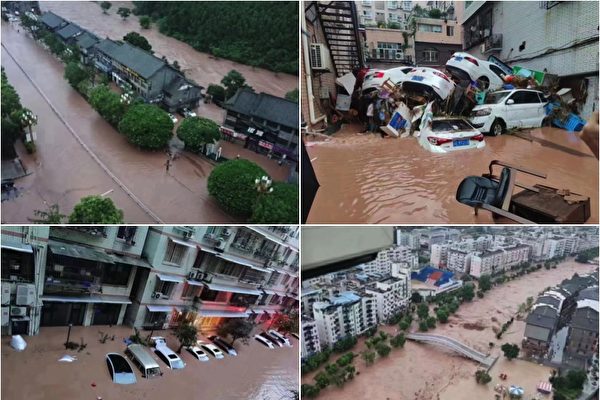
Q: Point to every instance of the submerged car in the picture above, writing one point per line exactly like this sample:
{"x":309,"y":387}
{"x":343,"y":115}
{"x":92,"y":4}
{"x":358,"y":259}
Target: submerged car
{"x":264,"y":340}
{"x":488,"y":74}
{"x":211,"y":349}
{"x":197,"y":352}
{"x":188,"y":113}
{"x":223,"y":345}
{"x":169,"y":357}
{"x":430,"y":81}
{"x":375,"y":77}
{"x":173,"y":118}
{"x":506,"y":109}
{"x":280,"y":338}
{"x":272,"y":338}
{"x":119,"y":369}
{"x":450,"y":134}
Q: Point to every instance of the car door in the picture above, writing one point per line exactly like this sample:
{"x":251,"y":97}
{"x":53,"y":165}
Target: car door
{"x":513,"y":113}
{"x":532,"y":110}
{"x":495,"y":76}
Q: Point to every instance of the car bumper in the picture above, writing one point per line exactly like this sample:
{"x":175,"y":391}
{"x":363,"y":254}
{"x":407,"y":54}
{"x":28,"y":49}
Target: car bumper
{"x":482,"y":123}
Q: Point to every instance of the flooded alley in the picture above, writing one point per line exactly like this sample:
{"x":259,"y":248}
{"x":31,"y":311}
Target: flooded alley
{"x":367,"y":179}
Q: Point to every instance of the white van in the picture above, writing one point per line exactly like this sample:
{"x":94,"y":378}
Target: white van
{"x":143,"y":361}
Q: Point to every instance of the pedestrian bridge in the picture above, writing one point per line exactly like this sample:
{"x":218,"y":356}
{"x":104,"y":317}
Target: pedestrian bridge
{"x":455,"y":345}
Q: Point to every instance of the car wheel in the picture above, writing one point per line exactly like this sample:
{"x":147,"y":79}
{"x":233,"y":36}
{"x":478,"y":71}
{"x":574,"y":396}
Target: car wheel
{"x":497,"y":128}
{"x":483,"y":82}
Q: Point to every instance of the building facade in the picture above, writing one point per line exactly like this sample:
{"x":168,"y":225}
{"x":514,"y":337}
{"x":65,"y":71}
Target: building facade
{"x":459,"y":261}
{"x":309,"y":337}
{"x":384,"y":13}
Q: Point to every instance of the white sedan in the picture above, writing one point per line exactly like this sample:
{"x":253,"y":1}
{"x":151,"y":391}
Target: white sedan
{"x":429,"y":80}
{"x":487,"y":74}
{"x":375,"y":77}
{"x":198,"y":353}
{"x":173,"y":118}
{"x":444,"y":135}
{"x":211,"y":349}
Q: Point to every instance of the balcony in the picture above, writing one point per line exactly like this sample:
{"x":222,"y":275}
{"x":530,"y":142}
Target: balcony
{"x":71,"y":286}
{"x":96,"y":231}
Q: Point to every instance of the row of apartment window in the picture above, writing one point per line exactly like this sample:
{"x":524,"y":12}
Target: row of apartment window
{"x":435,"y":29}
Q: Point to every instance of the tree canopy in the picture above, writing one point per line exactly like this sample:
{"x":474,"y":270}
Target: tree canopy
{"x":145,"y":22}
{"x":138,"y":40}
{"x":96,"y":210}
{"x":107,"y":103}
{"x":147,"y":126}
{"x":278,"y":207}
{"x":510,"y":350}
{"x":232,"y":82}
{"x":10,"y":98}
{"x":105,"y":5}
{"x":124,"y":12}
{"x":237,"y":328}
{"x":257,"y":33}
{"x":186,"y":333}
{"x":74,"y":74}
{"x":196,"y":132}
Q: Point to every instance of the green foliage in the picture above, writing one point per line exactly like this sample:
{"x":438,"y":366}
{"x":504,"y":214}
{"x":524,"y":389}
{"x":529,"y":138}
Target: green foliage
{"x":147,"y":126}
{"x":145,"y":22}
{"x":346,"y":359}
{"x":423,"y":310}
{"x":510,"y":350}
{"x":368,"y":356}
{"x":383,"y":349}
{"x":442,"y":315}
{"x":431,"y":322}
{"x":404,"y":324}
{"x":10,"y":134}
{"x":467,"y":292}
{"x":107,"y":103}
{"x":50,"y":216}
{"x":485,"y":283}
{"x":217,"y":92}
{"x":292,"y":95}
{"x":137,"y":40}
{"x":398,"y":340}
{"x":582,"y":257}
{"x":313,"y":362}
{"x":10,"y":98}
{"x":482,"y":377}
{"x":54,"y":44}
{"x":322,"y":380}
{"x":344,"y":344}
{"x":416,"y":297}
{"x":196,"y":132}
{"x":124,"y":12}
{"x":232,"y":185}
{"x":423,"y":327}
{"x":569,"y":387}
{"x":84,"y":87}
{"x":232,"y":82}
{"x":258,"y":33}
{"x":309,"y":391}
{"x":435,"y":13}
{"x":187,"y":333}
{"x":74,"y":74}
{"x":96,"y":210}
{"x":287,"y":323}
{"x":105,"y":5}
{"x":277,"y":207}
{"x":237,"y":328}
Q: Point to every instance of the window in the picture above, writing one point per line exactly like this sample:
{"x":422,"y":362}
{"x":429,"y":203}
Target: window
{"x":116,"y":274}
{"x":190,"y":291}
{"x":429,"y":28}
{"x":449,"y":31}
{"x":388,"y":51}
{"x":175,"y":253}
{"x":430,"y":55}
{"x":209,"y":295}
{"x":127,"y":233}
{"x":165,"y":288}
{"x":497,"y":71}
{"x":243,"y":300}
{"x":17,"y":266}
{"x":273,"y":279}
{"x":523,"y":97}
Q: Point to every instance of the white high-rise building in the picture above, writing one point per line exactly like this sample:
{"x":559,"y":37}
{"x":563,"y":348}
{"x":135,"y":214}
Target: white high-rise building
{"x":439,"y":255}
{"x":383,"y":263}
{"x":391,"y":294}
{"x":459,"y":261}
{"x":310,"y":337}
{"x":553,"y":248}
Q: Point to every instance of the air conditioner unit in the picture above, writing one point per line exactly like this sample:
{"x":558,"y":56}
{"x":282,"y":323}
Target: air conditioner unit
{"x":5,"y":315}
{"x":156,"y":295}
{"x":399,"y":55}
{"x":5,"y":294}
{"x":319,"y":57}
{"x":25,"y":295}
{"x":225,"y":232}
{"x":220,"y":245}
{"x":18,"y":311}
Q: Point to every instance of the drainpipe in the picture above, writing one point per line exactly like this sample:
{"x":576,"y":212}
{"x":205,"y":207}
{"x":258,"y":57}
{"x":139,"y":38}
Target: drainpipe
{"x":307,"y":70}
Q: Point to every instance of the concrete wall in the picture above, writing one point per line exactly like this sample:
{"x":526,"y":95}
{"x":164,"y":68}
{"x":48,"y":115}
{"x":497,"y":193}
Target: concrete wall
{"x":375,"y":35}
{"x":441,"y":37}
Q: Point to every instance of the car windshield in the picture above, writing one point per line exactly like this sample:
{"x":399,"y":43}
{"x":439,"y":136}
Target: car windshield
{"x":173,"y":356}
{"x":153,"y":371}
{"x":177,"y":364}
{"x":450,"y":125}
{"x":495,"y":98}
{"x":120,"y":364}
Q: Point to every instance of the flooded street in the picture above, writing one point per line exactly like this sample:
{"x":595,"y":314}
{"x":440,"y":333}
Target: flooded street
{"x":427,"y":372}
{"x":367,"y":179}
{"x":257,"y":373}
{"x":201,"y":67}
{"x":63,"y":171}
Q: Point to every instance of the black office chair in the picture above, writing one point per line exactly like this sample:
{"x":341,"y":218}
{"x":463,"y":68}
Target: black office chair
{"x":494,"y":193}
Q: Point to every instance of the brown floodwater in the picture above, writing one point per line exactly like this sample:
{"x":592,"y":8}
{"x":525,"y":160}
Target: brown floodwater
{"x":62,"y":172}
{"x":427,"y":372}
{"x":201,"y":67}
{"x":257,"y":373}
{"x":367,"y":179}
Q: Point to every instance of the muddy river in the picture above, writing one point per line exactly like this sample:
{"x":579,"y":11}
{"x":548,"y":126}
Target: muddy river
{"x":257,"y":373}
{"x":367,"y":179}
{"x":425,"y":372}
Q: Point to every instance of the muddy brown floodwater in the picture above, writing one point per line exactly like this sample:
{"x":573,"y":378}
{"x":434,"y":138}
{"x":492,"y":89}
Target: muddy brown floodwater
{"x":367,"y":179}
{"x":427,"y":372}
{"x":257,"y":373}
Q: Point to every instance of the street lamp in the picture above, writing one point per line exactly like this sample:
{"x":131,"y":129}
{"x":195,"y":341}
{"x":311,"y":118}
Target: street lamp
{"x":263,"y":184}
{"x":68,"y":336}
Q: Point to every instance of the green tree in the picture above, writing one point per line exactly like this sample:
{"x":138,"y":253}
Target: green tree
{"x":422,"y":310}
{"x":309,"y":391}
{"x":510,"y":350}
{"x":423,"y":327}
{"x":124,"y":12}
{"x":237,"y":328}
{"x":292,"y":95}
{"x":147,"y":126}
{"x":368,"y":356}
{"x":404,"y":324}
{"x":96,"y":210}
{"x":435,"y":13}
{"x":232,"y":82}
{"x":287,"y":323}
{"x":10,"y":98}
{"x":468,"y":292}
{"x":196,"y":132}
{"x":416,"y":297}
{"x":345,"y":359}
{"x":442,"y":315}
{"x":383,"y":349}
{"x":482,"y":377}
{"x":105,"y":5}
{"x":138,"y":40}
{"x":10,"y":134}
{"x":108,"y":104}
{"x":74,"y":74}
{"x":187,"y":334}
{"x":431,"y":322}
{"x":145,"y":22}
{"x":398,"y":340}
{"x":277,"y":207}
{"x":485,"y":283}
{"x":232,"y":185}
{"x":217,"y":92}
{"x":322,"y":380}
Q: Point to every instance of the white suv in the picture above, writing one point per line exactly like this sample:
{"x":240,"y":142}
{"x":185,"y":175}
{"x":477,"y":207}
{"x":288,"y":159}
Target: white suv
{"x":487,"y":73}
{"x":506,"y":109}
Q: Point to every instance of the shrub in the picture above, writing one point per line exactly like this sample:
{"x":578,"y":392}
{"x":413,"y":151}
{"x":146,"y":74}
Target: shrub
{"x":197,"y":132}
{"x":147,"y":126}
{"x":217,"y":92}
{"x":96,"y":210}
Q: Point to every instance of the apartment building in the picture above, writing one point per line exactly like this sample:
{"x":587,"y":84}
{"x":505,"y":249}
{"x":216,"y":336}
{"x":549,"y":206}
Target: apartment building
{"x":582,"y":340}
{"x":439,"y":255}
{"x":384,"y":13}
{"x":436,"y":39}
{"x":309,"y":337}
{"x":382,"y":265}
{"x":554,"y":248}
{"x":391,"y":294}
{"x":459,"y":261}
{"x":309,"y":297}
{"x":388,"y":48}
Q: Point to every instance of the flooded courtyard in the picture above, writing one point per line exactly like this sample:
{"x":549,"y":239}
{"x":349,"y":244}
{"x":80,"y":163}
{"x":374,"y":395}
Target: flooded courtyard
{"x":367,"y":179}
{"x":257,"y":373}
{"x":427,"y":372}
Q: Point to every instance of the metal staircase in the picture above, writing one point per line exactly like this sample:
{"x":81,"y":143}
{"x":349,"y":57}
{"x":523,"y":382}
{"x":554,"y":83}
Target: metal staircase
{"x":340,"y":24}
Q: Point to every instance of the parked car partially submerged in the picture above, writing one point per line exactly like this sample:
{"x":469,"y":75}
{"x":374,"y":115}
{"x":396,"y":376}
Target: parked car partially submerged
{"x":169,"y":357}
{"x":271,"y":338}
{"x":188,"y":113}
{"x":211,"y":349}
{"x":450,"y":134}
{"x":264,"y":340}
{"x":223,"y":345}
{"x":173,"y":118}
{"x":197,"y":352}
{"x":279,"y":337}
{"x":119,"y":369}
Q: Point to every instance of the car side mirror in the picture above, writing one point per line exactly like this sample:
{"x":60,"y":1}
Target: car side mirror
{"x":510,"y":101}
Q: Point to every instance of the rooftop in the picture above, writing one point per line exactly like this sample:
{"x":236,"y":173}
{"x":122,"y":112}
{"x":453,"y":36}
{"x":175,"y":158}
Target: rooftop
{"x":140,"y":61}
{"x":261,"y":105}
{"x":68,"y":31}
{"x":52,"y":20}
{"x":87,"y":40}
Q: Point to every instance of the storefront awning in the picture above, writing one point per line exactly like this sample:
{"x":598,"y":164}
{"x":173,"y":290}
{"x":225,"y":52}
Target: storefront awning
{"x":159,"y":308}
{"x":194,"y":283}
{"x":233,"y":289}
{"x":183,"y":243}
{"x":242,"y":261}
{"x":225,"y":314}
{"x":169,"y":278}
{"x":207,"y":250}
{"x":138,"y":262}
{"x":82,"y":252}
{"x":88,"y":299}
{"x":16,"y":246}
